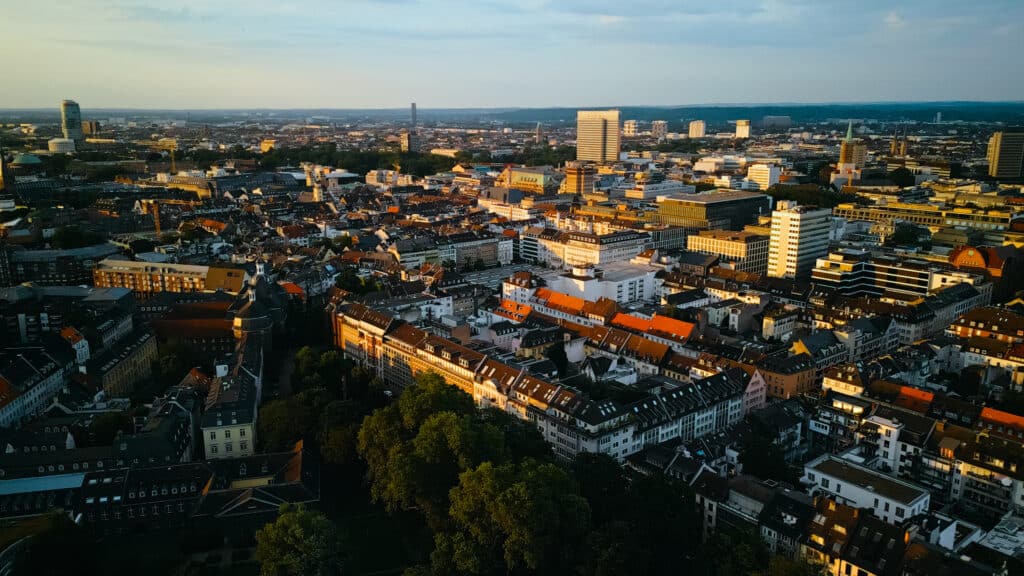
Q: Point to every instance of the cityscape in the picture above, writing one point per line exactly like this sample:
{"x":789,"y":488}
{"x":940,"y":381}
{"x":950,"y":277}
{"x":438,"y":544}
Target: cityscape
{"x":763,"y":335}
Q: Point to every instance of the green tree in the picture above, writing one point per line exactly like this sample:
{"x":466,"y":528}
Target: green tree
{"x":515,"y":518}
{"x":299,"y":542}
{"x":60,"y":548}
{"x":603,"y":484}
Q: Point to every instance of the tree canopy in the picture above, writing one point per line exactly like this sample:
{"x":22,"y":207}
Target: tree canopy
{"x":299,"y":542}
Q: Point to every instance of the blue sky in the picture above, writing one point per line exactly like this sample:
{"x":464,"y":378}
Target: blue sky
{"x":485,"y":53}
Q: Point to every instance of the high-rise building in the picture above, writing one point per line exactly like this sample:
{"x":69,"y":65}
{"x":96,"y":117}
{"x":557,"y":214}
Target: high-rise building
{"x":414,"y":117}
{"x":659,"y":129}
{"x":71,"y":120}
{"x":766,"y":175}
{"x":852,"y":152}
{"x":629,"y":128}
{"x":538,"y":135}
{"x":1006,"y":154}
{"x":597,"y":135}
{"x":90,"y":127}
{"x":697,"y":128}
{"x":799,"y":237}
{"x":743,"y":128}
{"x":408,"y":141}
{"x":579,"y":179}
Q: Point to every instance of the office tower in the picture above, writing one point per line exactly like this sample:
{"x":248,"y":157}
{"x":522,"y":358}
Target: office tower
{"x":597,"y":135}
{"x":538,"y":135}
{"x":697,"y":128}
{"x":1006,"y":154}
{"x":71,"y":120}
{"x":414,"y":117}
{"x":90,"y":127}
{"x":799,"y":237}
{"x":579,"y":179}
{"x":852,"y":152}
{"x":659,"y":129}
{"x":766,"y":175}
{"x":743,"y":128}
{"x":629,"y":128}
{"x":408,"y":141}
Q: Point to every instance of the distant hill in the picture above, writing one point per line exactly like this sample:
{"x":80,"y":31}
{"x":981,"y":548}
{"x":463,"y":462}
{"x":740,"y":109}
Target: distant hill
{"x":1011,"y":113}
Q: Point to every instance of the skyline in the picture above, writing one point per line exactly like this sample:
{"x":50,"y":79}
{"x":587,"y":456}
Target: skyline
{"x":502,"y":54}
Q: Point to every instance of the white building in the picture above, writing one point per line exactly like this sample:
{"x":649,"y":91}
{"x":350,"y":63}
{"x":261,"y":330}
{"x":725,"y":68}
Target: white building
{"x":743,"y":128}
{"x":61,"y":145}
{"x":697,"y":128}
{"x":799,"y":237}
{"x":629,"y":128}
{"x":743,"y":251}
{"x":890,"y":499}
{"x":765,"y":175}
{"x":31,"y":377}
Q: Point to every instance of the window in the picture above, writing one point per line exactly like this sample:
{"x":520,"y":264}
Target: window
{"x":227,"y":447}
{"x":213,"y":435}
{"x":227,"y":433}
{"x":243,"y":445}
{"x":899,"y":512}
{"x":824,"y":482}
{"x":241,"y":432}
{"x":886,"y":506}
{"x":213,"y":449}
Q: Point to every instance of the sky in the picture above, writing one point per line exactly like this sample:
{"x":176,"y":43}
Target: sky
{"x":189,"y":54}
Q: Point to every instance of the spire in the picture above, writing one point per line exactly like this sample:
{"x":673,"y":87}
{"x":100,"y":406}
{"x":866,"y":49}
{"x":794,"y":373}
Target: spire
{"x":849,"y":131}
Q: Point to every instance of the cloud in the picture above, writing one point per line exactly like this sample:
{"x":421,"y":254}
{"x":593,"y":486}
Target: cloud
{"x":894,"y":21}
{"x":610,"y":19}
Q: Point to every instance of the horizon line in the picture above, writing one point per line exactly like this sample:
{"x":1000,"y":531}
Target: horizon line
{"x":517,"y":108}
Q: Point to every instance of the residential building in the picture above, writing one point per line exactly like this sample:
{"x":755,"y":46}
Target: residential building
{"x":629,"y":128}
{"x":597,"y":135}
{"x":147,"y":279}
{"x":697,"y":129}
{"x":67,"y":267}
{"x":800,"y":235}
{"x":891,"y":500}
{"x":30,"y":377}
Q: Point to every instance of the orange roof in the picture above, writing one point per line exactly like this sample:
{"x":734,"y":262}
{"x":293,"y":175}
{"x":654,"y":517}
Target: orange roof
{"x":7,"y":392}
{"x":71,"y":335}
{"x":513,"y":310}
{"x":914,"y":399}
{"x":393,"y":209}
{"x":664,"y":326}
{"x":993,"y":416}
{"x":560,"y":301}
{"x":631,"y":322}
{"x":292,"y":288}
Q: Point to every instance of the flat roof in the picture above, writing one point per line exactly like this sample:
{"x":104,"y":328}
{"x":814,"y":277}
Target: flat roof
{"x":41,"y":483}
{"x":869,"y":480}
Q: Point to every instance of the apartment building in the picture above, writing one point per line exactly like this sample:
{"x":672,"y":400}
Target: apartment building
{"x":568,"y":420}
{"x":799,"y":236}
{"x":892,"y":500}
{"x":146,"y":279}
